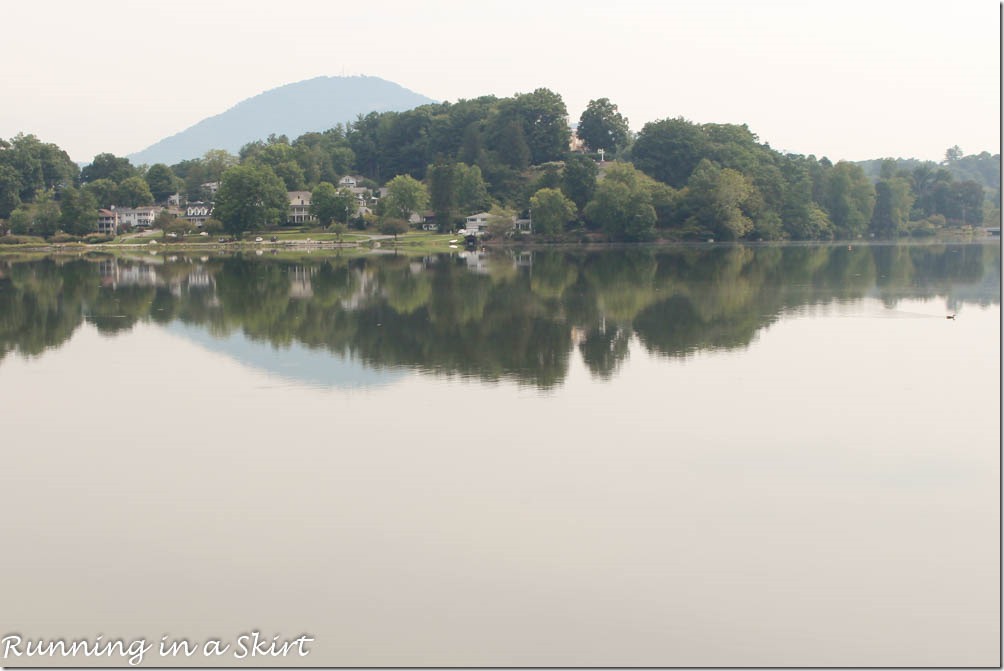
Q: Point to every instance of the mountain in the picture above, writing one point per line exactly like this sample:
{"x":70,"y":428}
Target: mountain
{"x":311,"y":105}
{"x":293,"y":363}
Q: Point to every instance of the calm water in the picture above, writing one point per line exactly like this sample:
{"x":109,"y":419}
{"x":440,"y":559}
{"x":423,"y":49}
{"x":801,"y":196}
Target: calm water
{"x":676,"y":457}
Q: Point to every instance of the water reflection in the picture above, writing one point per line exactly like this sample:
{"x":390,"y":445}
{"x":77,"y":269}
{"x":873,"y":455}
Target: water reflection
{"x":505,"y":315}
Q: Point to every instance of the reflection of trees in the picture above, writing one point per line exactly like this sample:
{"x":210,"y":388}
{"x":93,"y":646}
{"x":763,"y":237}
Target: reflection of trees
{"x":34,"y":314}
{"x":498,"y":319}
{"x":117,"y":310}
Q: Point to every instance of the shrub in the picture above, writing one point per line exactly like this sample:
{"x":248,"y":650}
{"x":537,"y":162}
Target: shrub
{"x":64,"y":237}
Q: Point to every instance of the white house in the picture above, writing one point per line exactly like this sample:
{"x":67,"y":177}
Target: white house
{"x":299,"y":208}
{"x":349,"y":182}
{"x":137,"y":217}
{"x":476,"y":224}
{"x":197,"y":213}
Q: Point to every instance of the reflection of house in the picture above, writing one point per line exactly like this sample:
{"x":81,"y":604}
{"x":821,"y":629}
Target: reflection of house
{"x":476,"y":262}
{"x":108,"y":222}
{"x":137,"y":217}
{"x":299,"y":281}
{"x":299,"y":208}
{"x":197,"y":213}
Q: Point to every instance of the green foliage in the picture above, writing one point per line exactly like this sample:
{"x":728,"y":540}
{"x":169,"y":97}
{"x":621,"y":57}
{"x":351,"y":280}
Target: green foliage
{"x":513,"y":151}
{"x":33,"y":166}
{"x":551,"y":210}
{"x":669,"y":150}
{"x":213,"y":226}
{"x":622,"y":208}
{"x":108,"y":166}
{"x":405,"y":196}
{"x":393,"y":226}
{"x":78,"y":211}
{"x":500,"y":222}
{"x":104,"y":191}
{"x":601,"y":126}
{"x":250,"y":196}
{"x":893,"y":202}
{"x":167,"y":221}
{"x":443,"y":181}
{"x":161,"y":181}
{"x":850,"y":199}
{"x":329,"y":204}
{"x":41,"y":217}
{"x":543,"y":118}
{"x":133,"y":192}
{"x":715,"y":199}
{"x":339,"y":230}
{"x":10,"y":190}
{"x":579,"y":179}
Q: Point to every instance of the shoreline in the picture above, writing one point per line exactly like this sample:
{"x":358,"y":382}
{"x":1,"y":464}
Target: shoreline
{"x":418,"y":245}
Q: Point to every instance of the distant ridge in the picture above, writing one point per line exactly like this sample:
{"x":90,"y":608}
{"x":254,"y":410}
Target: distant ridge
{"x":311,"y":105}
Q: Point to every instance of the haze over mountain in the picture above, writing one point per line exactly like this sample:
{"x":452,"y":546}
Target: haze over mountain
{"x":310,"y":105}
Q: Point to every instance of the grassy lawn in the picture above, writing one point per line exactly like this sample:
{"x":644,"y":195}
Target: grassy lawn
{"x":423,"y":242}
{"x":318,"y":234}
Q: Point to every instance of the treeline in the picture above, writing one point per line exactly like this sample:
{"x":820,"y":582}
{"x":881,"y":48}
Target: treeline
{"x":515,"y":320}
{"x":675,"y":179}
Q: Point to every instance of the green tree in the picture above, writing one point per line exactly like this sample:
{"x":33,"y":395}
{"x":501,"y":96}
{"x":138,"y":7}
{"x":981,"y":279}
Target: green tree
{"x":579,"y":179}
{"x":850,"y":199}
{"x":161,"y":181}
{"x":544,"y":119}
{"x":393,"y":226}
{"x":669,"y":150}
{"x":550,"y":211}
{"x":215,"y":162}
{"x":108,"y":166}
{"x":339,"y":229}
{"x":328,"y":204}
{"x":104,"y":191}
{"x":601,"y":126}
{"x":41,"y":217}
{"x":251,"y":196}
{"x":78,"y":211}
{"x":513,"y":149}
{"x":715,"y":198}
{"x":443,"y":178}
{"x":405,"y":196}
{"x":500,"y":222}
{"x":893,"y":201}
{"x":134,"y":192}
{"x":622,"y":212}
{"x":39,"y":166}
{"x":472,"y":192}
{"x":292,"y":175}
{"x":10,"y":190}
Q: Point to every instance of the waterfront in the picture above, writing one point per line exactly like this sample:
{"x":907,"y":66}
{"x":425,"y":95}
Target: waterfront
{"x":777,"y":455}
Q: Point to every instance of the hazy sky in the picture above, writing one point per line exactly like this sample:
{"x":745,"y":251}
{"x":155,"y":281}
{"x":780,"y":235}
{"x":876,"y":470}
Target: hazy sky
{"x":848,"y":80}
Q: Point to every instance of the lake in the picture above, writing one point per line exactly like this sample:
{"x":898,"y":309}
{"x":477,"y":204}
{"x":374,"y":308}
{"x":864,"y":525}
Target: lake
{"x":668,"y":456}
